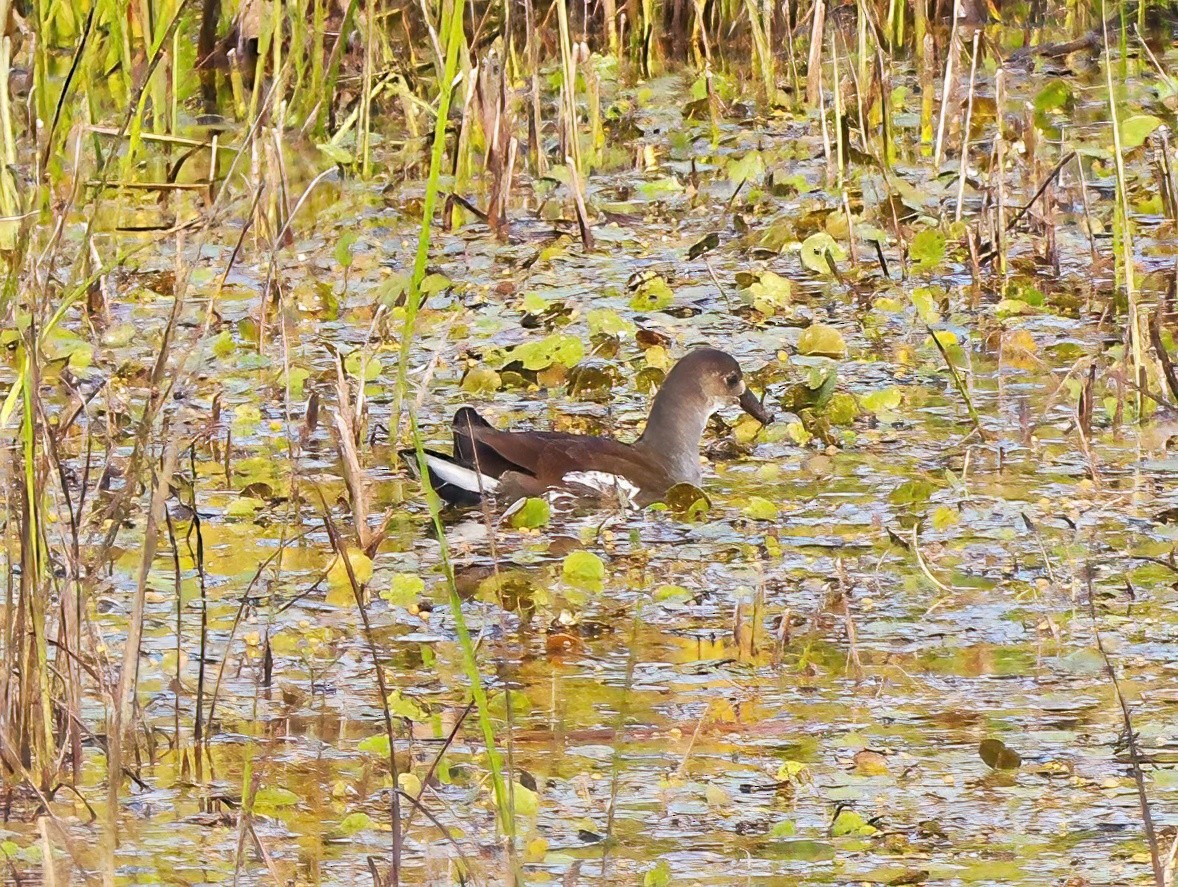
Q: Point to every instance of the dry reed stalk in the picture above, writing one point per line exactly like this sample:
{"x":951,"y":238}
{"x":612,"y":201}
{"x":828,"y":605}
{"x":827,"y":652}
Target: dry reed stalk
{"x":498,"y":125}
{"x":706,"y":46}
{"x":460,"y":164}
{"x":593,"y":101}
{"x":840,"y":146}
{"x":349,"y":433}
{"x":610,"y":14}
{"x":859,"y":76}
{"x":998,"y":175}
{"x":958,"y":383}
{"x":48,"y":866}
{"x":787,"y":9}
{"x":1165,"y":174}
{"x":863,"y":56}
{"x":568,"y":89}
{"x":619,"y":729}
{"x":964,"y":164}
{"x":1135,"y":758}
{"x":814,"y":62}
{"x":583,"y":224}
{"x":883,"y":77}
{"x":124,"y":702}
{"x":281,"y":238}
{"x":535,"y":118}
{"x":649,"y":46}
{"x":947,"y":85}
{"x":826,"y":148}
{"x":71,"y":614}
{"x":341,"y":552}
{"x":760,"y":25}
{"x":571,"y":137}
{"x":1123,"y":220}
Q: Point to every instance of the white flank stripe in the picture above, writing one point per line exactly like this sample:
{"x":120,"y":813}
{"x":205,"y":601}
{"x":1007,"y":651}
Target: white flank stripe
{"x":465,"y":478}
{"x":603,"y":482}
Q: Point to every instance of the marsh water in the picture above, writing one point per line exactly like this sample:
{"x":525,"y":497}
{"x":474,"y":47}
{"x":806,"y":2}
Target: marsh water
{"x":801,"y":682}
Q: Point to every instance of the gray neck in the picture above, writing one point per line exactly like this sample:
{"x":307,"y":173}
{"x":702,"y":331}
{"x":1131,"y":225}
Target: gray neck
{"x":674,"y":431}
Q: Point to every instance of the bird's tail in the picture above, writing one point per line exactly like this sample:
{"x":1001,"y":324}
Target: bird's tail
{"x":455,"y":483}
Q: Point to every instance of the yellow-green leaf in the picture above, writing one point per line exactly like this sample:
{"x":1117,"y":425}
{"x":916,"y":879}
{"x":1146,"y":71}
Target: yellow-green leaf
{"x":337,"y":574}
{"x":750,"y":167}
{"x":335,"y":153}
{"x":717,"y":796}
{"x":784,"y":829}
{"x":885,"y":400}
{"x":533,"y":513}
{"x":244,"y":507}
{"x":357,"y":362}
{"x":354,"y":823}
{"x":817,"y":251}
{"x":791,"y":771}
{"x":223,"y":345}
{"x":927,"y":248}
{"x":672,"y":596}
{"x":375,"y":745}
{"x":1136,"y":129}
{"x":998,"y":755}
{"x":404,"y":590}
{"x":818,"y":339}
{"x":527,"y":802}
{"x":275,"y":796}
{"x":481,"y":380}
{"x":944,"y":517}
{"x":607,"y":322}
{"x":770,"y":292}
{"x":653,"y":294}
{"x":926,"y":299}
{"x":659,"y":187}
{"x":403,"y":707}
{"x":1055,"y":96}
{"x":584,"y":569}
{"x":760,"y":508}
{"x":842,"y":409}
{"x":659,"y":876}
{"x":848,"y":822}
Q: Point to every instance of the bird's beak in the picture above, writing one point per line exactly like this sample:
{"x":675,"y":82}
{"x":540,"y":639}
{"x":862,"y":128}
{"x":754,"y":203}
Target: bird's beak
{"x":749,"y":403}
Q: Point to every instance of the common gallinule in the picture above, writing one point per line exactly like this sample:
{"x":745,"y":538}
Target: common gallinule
{"x":512,"y":464}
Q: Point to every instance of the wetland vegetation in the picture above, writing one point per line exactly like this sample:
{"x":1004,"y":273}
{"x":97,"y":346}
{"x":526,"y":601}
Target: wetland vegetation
{"x":921,"y":629}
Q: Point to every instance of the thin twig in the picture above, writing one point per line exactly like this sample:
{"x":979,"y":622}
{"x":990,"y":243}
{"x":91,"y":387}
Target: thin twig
{"x":1039,"y":193}
{"x":960,"y":385}
{"x":341,"y":552}
{"x":1130,"y":740}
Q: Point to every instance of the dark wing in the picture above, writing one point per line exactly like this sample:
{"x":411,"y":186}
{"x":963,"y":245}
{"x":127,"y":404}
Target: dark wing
{"x":578,"y":454}
{"x":472,"y":450}
{"x":548,"y":456}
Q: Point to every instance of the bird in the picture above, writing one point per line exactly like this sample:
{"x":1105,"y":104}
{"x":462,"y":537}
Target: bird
{"x":512,"y":465}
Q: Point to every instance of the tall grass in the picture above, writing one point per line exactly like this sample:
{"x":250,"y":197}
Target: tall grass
{"x":1122,"y":223}
{"x":454,"y":41}
{"x":760,"y":22}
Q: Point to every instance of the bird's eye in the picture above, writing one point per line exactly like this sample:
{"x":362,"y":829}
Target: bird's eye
{"x":732,"y":379}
